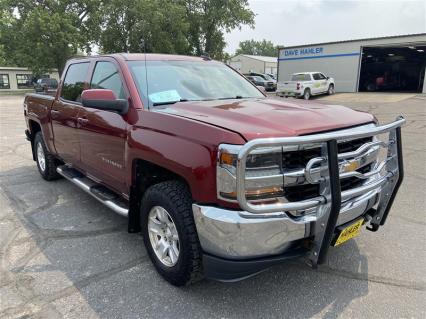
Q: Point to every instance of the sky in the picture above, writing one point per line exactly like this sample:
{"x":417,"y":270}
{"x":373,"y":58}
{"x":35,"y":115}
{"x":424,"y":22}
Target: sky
{"x":296,"y":22}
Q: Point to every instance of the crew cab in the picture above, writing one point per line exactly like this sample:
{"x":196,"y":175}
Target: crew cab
{"x":220,"y":180}
{"x":306,"y":84}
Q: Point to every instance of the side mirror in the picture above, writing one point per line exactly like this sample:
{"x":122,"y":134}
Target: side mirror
{"x":261,"y":88}
{"x":104,"y":100}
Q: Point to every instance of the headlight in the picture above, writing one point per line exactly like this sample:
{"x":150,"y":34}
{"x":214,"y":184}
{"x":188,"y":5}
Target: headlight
{"x":261,"y":163}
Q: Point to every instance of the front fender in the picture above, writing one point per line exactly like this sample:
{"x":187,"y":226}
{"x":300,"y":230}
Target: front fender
{"x":186,"y":147}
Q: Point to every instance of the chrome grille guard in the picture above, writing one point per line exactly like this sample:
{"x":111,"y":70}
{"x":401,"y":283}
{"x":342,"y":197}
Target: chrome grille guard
{"x":328,"y":204}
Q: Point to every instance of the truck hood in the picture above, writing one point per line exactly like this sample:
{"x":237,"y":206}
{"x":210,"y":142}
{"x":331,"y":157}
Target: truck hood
{"x":258,"y":118}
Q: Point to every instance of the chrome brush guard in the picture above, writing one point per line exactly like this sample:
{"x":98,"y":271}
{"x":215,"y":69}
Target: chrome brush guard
{"x":328,"y":170}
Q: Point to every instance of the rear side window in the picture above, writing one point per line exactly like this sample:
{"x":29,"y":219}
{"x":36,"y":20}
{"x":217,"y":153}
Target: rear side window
{"x":106,"y":76}
{"x":74,"y":81}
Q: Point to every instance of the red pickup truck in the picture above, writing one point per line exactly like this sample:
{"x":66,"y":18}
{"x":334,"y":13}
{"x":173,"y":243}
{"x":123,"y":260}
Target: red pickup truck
{"x":221,"y":181}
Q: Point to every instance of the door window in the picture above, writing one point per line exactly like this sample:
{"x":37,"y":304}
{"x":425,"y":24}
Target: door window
{"x":316,"y":76}
{"x":106,"y":76}
{"x":322,"y":76}
{"x":74,"y":81}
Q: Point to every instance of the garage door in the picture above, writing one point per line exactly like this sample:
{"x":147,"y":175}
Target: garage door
{"x":393,"y":69}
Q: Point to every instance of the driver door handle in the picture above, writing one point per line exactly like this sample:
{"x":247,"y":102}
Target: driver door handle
{"x":82,"y":120}
{"x":54,"y":114}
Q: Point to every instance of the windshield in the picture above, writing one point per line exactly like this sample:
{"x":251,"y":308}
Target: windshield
{"x":165,"y":82}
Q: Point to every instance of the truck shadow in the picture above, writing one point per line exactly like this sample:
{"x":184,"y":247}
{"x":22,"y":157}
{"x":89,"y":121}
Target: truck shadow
{"x":65,"y":246}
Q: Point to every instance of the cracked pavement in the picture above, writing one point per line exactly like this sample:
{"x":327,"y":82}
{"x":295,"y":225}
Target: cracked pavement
{"x":64,"y":255}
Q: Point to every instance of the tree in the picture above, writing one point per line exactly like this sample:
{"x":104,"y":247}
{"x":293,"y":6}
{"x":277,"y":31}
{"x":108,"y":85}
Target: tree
{"x":253,"y":47}
{"x":143,"y":26}
{"x":209,"y":19}
{"x":45,"y":34}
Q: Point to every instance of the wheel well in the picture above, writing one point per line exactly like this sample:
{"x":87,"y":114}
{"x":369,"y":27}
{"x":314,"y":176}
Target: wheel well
{"x":145,"y":174}
{"x":34,"y":128}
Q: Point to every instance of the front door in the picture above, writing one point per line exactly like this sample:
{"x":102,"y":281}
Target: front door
{"x":65,"y":111}
{"x":103,"y":133}
{"x":324,"y":82}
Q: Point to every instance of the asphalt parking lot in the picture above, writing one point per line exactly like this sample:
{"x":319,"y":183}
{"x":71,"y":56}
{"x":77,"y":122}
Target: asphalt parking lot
{"x":65,"y":255}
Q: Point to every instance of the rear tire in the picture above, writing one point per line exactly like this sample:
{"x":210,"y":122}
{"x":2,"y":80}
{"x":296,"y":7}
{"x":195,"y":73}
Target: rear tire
{"x":307,"y":94}
{"x":172,"y":200}
{"x":46,"y":162}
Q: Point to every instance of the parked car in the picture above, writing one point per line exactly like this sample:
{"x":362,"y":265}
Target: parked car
{"x":272,"y":76}
{"x":259,"y":81}
{"x":267,"y":78}
{"x":221,"y":180}
{"x":45,"y":85}
{"x":306,"y":84}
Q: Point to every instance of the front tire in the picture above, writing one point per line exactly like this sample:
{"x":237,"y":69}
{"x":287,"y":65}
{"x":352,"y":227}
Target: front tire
{"x":169,"y":232}
{"x":330,"y":89}
{"x":46,"y":162}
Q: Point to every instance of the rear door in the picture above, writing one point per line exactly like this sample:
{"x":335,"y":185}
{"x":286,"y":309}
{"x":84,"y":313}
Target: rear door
{"x":65,"y":110}
{"x":102,"y":133}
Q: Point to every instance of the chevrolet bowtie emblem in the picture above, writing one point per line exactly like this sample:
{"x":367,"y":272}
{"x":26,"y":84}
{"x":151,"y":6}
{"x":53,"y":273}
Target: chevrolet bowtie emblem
{"x":350,"y":167}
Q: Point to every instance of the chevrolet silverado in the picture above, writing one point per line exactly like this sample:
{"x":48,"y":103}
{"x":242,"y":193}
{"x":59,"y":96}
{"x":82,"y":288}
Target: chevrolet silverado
{"x":220,"y":180}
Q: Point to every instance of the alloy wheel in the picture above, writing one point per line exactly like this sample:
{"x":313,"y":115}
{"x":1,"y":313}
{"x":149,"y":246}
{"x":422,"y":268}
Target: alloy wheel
{"x":41,"y":159}
{"x":163,"y":236}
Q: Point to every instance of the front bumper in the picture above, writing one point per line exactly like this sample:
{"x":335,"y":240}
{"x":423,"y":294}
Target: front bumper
{"x":238,"y":235}
{"x":261,"y":235}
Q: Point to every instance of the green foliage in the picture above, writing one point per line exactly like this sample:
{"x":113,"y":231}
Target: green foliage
{"x":253,"y":47}
{"x":143,"y":26}
{"x":43,"y":34}
{"x":209,"y":19}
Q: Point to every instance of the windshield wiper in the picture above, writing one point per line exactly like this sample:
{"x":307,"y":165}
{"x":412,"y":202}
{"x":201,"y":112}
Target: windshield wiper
{"x":169,"y":102}
{"x":237,"y":97}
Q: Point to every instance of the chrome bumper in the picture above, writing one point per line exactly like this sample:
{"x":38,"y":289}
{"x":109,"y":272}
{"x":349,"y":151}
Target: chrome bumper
{"x":261,"y":230}
{"x":235,"y":234}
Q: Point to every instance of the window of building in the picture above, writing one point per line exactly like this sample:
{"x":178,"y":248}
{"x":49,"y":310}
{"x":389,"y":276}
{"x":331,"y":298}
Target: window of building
{"x":24,"y":81}
{"x":106,"y":76}
{"x":4,"y":81}
{"x":74,"y":81}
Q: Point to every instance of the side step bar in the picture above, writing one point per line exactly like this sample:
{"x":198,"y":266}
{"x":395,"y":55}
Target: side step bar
{"x":100,"y":192}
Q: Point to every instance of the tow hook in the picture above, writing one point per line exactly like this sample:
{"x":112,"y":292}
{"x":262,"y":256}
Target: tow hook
{"x":369,"y":217}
